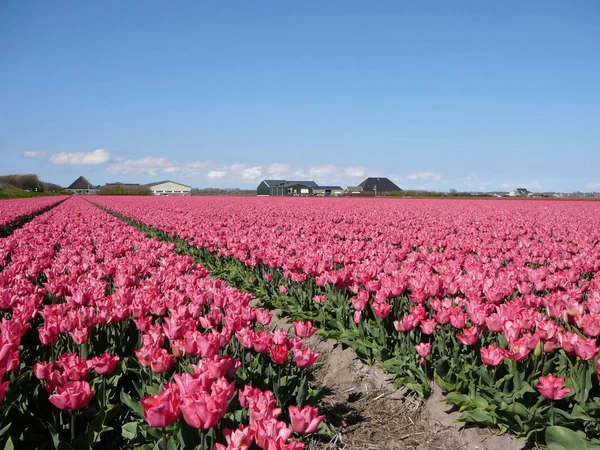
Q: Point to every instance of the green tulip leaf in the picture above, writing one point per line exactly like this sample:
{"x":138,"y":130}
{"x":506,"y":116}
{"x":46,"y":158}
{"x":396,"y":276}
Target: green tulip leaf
{"x":129,"y":430}
{"x":478,"y":416}
{"x":561,"y":438}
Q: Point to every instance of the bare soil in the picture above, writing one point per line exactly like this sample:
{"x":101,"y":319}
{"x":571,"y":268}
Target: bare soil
{"x":366,"y":411}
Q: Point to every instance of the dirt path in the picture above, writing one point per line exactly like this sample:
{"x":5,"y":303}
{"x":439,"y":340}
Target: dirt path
{"x":367,"y":412}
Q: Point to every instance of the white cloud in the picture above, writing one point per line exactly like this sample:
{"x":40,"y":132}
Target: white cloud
{"x":277,"y":168}
{"x":301,"y":174}
{"x":424,"y":176}
{"x":153,"y":165}
{"x":593,"y":185}
{"x":149,"y":165}
{"x":355,"y":171}
{"x":216,"y":174}
{"x":98,"y":156}
{"x":251,"y":173}
{"x":238,"y":170}
{"x":320,"y":171}
{"x":34,"y":154}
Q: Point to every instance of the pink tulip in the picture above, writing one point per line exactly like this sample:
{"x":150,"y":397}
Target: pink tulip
{"x":162,"y":409}
{"x":72,"y":395}
{"x":423,"y":349}
{"x":305,"y":358}
{"x":304,"y":329}
{"x":551,"y":387}
{"x":305,"y":420}
{"x":105,"y":364}
{"x":492,"y":356}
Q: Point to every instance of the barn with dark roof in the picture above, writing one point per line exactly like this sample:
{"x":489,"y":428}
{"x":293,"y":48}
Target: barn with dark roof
{"x":374,"y":184}
{"x":285,"y":187}
{"x":82,"y":186}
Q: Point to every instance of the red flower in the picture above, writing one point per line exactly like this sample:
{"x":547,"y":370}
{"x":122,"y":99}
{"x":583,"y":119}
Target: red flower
{"x":492,"y":356}
{"x":551,"y":387}
{"x":469,"y":336}
{"x":161,"y":361}
{"x":104,"y":364}
{"x":201,"y":410}
{"x":423,"y":349}
{"x":305,"y":420}
{"x":304,"y":329}
{"x":305,"y":358}
{"x":162,"y":409}
{"x":72,"y":395}
{"x":279,"y":353}
{"x":3,"y":387}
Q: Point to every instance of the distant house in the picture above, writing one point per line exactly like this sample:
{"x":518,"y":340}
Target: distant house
{"x":168,"y":187}
{"x":353,"y":190}
{"x":82,"y":186}
{"x":519,"y":192}
{"x":378,"y":185}
{"x":286,"y":187}
{"x":328,"y":191}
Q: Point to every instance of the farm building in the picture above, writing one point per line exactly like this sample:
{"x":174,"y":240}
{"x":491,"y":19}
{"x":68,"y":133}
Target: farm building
{"x":82,"y":186}
{"x":168,"y":187}
{"x":328,"y":191}
{"x":377,"y":185}
{"x":353,"y":190}
{"x":519,"y":192}
{"x":285,"y":187}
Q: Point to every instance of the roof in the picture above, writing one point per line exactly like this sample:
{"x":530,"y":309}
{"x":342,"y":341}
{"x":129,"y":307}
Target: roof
{"x":354,"y":188}
{"x":379,"y":185}
{"x":271,"y":183}
{"x":166,"y":181}
{"x":302,"y":183}
{"x":81,"y":183}
{"x":330,"y":187}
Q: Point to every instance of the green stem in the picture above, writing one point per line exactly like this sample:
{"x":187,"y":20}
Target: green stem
{"x":72,"y":426}
{"x":551,"y":413}
{"x":164,"y":439}
{"x":203,"y":442}
{"x":584,"y":381}
{"x":104,"y":392}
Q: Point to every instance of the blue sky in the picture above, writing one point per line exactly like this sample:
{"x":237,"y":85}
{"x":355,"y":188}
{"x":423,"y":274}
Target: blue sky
{"x":434,"y":94}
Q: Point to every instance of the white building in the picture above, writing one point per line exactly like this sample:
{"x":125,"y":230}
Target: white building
{"x":169,"y":188}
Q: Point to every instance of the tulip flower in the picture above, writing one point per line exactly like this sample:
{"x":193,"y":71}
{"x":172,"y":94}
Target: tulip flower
{"x":279,"y":354}
{"x":469,"y":336}
{"x":239,"y":439}
{"x":321,"y":298}
{"x":551,"y":387}
{"x":305,"y":420}
{"x":162,"y":409}
{"x":202,"y":410}
{"x":104,"y":364}
{"x":3,"y":387}
{"x":270,"y":428}
{"x":491,"y":355}
{"x":423,"y":349}
{"x":72,"y":395}
{"x":304,"y":329}
{"x":280,"y":444}
{"x":305,"y":358}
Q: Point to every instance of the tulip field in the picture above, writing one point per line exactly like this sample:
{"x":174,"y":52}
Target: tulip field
{"x":109,"y":338}
{"x":129,"y":321}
